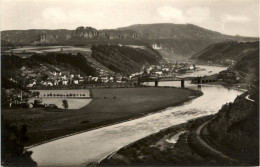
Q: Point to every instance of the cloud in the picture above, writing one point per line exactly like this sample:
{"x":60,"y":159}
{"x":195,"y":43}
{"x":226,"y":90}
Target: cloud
{"x":59,"y":18}
{"x":198,"y":14}
{"x":54,"y":15}
{"x":169,"y":13}
{"x":190,"y":15}
{"x":236,"y":19}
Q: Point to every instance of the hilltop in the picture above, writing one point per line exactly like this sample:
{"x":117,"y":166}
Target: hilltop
{"x":179,"y":31}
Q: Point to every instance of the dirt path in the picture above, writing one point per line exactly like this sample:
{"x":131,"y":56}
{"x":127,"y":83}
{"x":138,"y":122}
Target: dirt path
{"x":247,"y":97}
{"x":210,"y":148}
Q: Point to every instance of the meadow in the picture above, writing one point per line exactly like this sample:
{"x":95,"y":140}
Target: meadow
{"x":108,"y":106}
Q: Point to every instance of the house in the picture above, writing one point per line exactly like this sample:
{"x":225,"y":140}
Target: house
{"x":81,"y":81}
{"x":65,"y":82}
{"x":94,"y":79}
{"x":76,"y":82}
{"x":44,"y":83}
{"x":191,"y":67}
{"x":156,"y":46}
{"x":64,"y":77}
{"x":166,"y":69}
{"x":104,"y":79}
{"x":56,"y":82}
{"x":31,"y":84}
{"x":111,"y":78}
{"x":49,"y":83}
{"x":158,"y":72}
{"x":54,"y":73}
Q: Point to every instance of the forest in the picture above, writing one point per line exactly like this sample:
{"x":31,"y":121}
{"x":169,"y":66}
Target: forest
{"x":123,"y":59}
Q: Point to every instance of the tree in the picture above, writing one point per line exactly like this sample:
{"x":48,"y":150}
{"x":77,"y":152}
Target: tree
{"x":13,"y":153}
{"x":65,"y":104}
{"x":44,"y":77}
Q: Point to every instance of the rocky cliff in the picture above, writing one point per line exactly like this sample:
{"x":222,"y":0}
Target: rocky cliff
{"x":27,"y":37}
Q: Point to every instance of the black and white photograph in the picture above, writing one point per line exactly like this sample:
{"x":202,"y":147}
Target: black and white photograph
{"x":129,"y":83}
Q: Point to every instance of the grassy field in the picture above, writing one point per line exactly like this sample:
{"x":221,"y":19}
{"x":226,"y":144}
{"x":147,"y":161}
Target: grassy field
{"x":108,"y":106}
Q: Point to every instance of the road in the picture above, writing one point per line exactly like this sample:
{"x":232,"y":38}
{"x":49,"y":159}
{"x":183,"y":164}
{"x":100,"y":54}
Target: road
{"x":210,"y":148}
{"x":247,"y":97}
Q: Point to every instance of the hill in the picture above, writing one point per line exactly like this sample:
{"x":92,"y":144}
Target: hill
{"x":235,"y":130}
{"x":231,"y":50}
{"x":105,"y":59}
{"x":75,"y":61}
{"x":178,"y":31}
{"x":174,"y":40}
{"x":249,"y":64}
{"x":125,"y":59}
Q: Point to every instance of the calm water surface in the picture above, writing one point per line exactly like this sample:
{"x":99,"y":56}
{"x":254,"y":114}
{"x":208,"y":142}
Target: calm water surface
{"x":92,"y":146}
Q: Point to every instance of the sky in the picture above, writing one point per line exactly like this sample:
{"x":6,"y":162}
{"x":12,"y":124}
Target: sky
{"x":233,"y":17}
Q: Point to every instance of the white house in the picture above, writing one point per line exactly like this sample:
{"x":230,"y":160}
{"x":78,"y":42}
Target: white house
{"x":64,"y":77}
{"x":158,"y":72}
{"x":76,"y":82}
{"x":104,"y":79}
{"x":54,"y":73}
{"x":94,"y":79}
{"x":65,"y":82}
{"x":49,"y":83}
{"x":56,"y":82}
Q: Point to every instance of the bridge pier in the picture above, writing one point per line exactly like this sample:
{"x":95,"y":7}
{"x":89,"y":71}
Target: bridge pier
{"x":199,"y":80}
{"x":156,"y":81}
{"x":182,"y":83}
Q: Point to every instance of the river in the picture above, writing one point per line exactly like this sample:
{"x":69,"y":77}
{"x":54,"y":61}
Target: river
{"x":90,"y":147}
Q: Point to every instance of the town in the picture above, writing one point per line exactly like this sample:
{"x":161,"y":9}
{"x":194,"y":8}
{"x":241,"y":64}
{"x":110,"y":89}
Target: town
{"x":53,"y":77}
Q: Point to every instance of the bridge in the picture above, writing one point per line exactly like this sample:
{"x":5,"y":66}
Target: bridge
{"x":205,"y":79}
{"x":156,"y":80}
{"x":194,"y":80}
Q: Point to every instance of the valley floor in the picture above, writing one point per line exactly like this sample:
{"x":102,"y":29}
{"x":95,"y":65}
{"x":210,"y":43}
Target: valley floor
{"x":109,"y":106}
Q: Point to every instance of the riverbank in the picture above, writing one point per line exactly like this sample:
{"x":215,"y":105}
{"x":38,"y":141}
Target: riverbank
{"x":239,"y":86}
{"x":109,"y":106}
{"x":175,"y":146}
{"x":192,"y":146}
{"x":159,"y":149}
